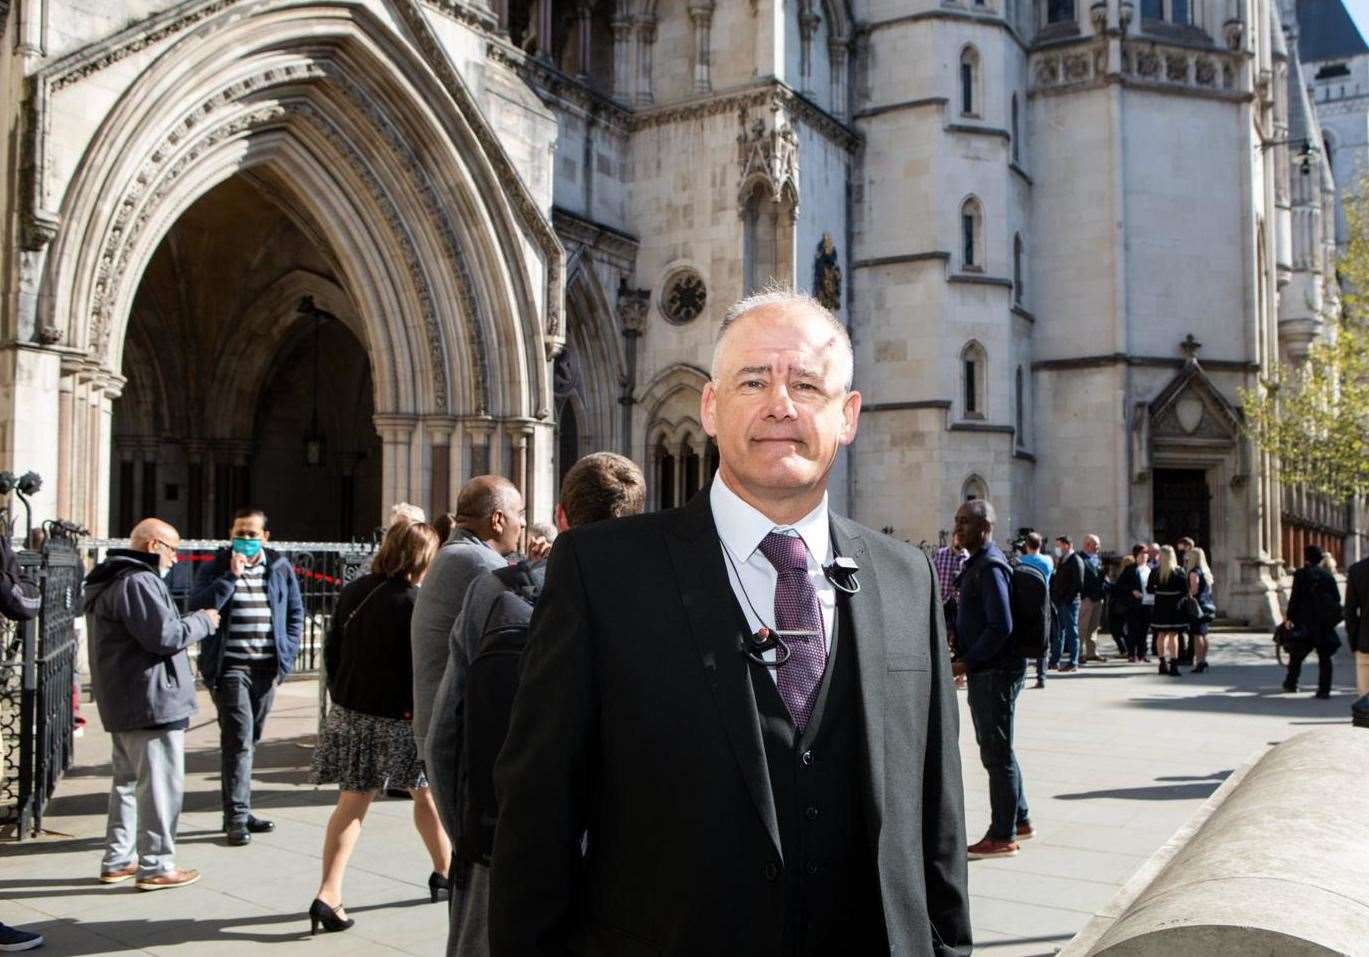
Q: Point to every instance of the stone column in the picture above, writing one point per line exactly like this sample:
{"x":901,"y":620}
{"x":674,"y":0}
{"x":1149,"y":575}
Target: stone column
{"x":808,"y":26}
{"x":584,"y":13}
{"x":479,"y":429}
{"x":632,"y":313}
{"x":646,"y":38}
{"x":701,"y":18}
{"x":622,"y":59}
{"x":396,"y":433}
{"x":544,"y":31}
{"x":440,"y":431}
{"x":520,"y":432}
{"x":836,"y":54}
{"x":66,"y":447}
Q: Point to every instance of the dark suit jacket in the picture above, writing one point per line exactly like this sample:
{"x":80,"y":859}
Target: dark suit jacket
{"x":636,"y":725}
{"x":1356,"y":596}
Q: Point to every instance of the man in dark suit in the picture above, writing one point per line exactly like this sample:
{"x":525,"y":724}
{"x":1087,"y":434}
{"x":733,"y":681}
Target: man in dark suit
{"x":716,"y":746}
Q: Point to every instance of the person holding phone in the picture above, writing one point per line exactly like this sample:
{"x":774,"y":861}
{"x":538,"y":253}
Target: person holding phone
{"x":255,"y":589}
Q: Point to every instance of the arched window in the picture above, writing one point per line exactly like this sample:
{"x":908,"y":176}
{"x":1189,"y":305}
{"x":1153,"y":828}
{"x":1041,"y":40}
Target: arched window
{"x":973,"y":375}
{"x":567,"y":440}
{"x":1174,"y":11}
{"x":1017,"y":269}
{"x":665,"y":476}
{"x":1019,"y":408}
{"x":969,"y":81}
{"x":761,"y":246}
{"x":971,"y":235}
{"x":974,"y":488}
{"x":692,"y":480}
{"x":1059,"y":11}
{"x":1016,"y":133}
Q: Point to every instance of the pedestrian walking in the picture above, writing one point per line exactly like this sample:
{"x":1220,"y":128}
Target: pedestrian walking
{"x":1168,"y":584}
{"x":1067,"y":585}
{"x":1092,"y":594}
{"x":367,"y":743}
{"x":948,"y":561}
{"x":1356,"y":628}
{"x":255,"y":590}
{"x":1131,"y":582}
{"x":698,"y":710}
{"x":489,"y":523}
{"x":469,"y":720}
{"x":1201,"y":608}
{"x":19,"y":601}
{"x":141,"y":678}
{"x":1314,"y":609}
{"x":1033,"y":556}
{"x":996,"y":672}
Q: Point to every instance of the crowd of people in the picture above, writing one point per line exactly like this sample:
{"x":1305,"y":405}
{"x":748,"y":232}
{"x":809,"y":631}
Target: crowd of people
{"x":616,"y":729}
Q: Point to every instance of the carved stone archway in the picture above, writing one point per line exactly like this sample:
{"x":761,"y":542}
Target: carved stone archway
{"x":360,"y":124}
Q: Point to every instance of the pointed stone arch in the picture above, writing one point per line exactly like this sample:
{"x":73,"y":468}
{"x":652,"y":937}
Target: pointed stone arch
{"x":592,"y":334}
{"x":360,"y":122}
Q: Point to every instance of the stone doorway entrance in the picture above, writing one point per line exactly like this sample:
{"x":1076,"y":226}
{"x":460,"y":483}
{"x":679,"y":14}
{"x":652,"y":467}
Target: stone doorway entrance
{"x":1183,"y":506}
{"x":221,"y":368}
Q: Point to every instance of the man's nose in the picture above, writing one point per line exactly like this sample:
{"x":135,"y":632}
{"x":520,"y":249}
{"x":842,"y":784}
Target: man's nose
{"x":781,"y":403}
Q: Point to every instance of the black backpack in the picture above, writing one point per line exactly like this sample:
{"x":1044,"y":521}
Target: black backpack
{"x":1095,"y":582}
{"x":491,"y":683}
{"x":1030,"y":602}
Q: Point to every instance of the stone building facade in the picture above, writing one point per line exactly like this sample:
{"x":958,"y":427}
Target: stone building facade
{"x":327,"y":255}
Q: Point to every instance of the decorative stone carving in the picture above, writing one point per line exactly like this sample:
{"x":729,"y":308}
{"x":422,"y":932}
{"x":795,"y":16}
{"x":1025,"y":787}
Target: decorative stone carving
{"x":766,"y":94}
{"x":1233,"y":31}
{"x":40,"y":228}
{"x":1048,"y":71}
{"x":632,"y":309}
{"x":1148,"y":63}
{"x":827,"y":274}
{"x":1098,"y":16}
{"x":1205,"y":71}
{"x":683,"y":295}
{"x":770,"y":154}
{"x":1176,"y":67}
{"x":1076,"y":67}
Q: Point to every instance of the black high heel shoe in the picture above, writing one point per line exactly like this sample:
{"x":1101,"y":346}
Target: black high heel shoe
{"x":321,"y":913}
{"x":1199,"y":668}
{"x":439,"y":887}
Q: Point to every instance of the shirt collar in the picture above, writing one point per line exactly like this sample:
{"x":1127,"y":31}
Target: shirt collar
{"x":742,"y":527}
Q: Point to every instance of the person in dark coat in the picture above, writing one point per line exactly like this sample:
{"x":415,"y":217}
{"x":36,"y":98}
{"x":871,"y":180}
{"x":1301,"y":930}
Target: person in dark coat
{"x":367,"y":741}
{"x":1314,"y":607}
{"x":1168,"y":583}
{"x":1356,"y":626}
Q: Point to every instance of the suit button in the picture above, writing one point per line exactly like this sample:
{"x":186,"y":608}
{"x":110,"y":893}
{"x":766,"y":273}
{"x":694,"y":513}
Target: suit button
{"x":807,"y":758}
{"x":772,"y":871}
{"x":811,"y":814}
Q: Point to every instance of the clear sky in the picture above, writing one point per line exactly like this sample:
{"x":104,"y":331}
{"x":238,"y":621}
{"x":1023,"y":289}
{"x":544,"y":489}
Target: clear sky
{"x":1359,"y":10}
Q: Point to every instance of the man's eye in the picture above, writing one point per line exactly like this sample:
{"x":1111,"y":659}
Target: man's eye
{"x":753,"y":384}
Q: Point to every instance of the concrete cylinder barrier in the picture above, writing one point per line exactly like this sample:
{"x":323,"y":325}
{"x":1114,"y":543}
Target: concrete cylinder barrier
{"x":1276,"y":864}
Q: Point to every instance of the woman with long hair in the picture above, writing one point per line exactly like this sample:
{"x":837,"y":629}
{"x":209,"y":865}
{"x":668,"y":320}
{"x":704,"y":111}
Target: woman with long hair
{"x":1168,"y":584}
{"x":367,"y":741}
{"x":1200,"y":590}
{"x":1131,"y":582}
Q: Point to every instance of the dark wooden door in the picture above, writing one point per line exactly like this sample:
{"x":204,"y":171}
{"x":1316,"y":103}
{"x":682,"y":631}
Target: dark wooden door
{"x":1183,"y":506}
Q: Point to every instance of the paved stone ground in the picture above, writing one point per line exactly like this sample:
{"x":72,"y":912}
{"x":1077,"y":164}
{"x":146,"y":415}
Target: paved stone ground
{"x":1115,"y":759}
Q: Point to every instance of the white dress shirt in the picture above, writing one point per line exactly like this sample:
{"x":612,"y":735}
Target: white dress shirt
{"x":742,"y":529}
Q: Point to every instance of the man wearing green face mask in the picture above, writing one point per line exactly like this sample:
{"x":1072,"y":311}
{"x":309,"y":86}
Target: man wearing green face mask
{"x":255,"y":589}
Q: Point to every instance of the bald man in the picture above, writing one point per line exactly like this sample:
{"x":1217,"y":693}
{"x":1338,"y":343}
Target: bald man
{"x":145,"y":690}
{"x":489,"y":521}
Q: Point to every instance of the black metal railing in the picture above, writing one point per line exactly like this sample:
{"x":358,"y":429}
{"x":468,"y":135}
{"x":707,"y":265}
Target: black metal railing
{"x":38,"y":683}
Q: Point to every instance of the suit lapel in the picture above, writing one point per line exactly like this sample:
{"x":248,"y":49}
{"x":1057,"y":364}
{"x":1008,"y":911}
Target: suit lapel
{"x":867,"y":623}
{"x":719,"y":632}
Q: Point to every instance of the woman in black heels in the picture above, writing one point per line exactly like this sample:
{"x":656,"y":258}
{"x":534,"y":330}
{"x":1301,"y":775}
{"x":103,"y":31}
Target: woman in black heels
{"x":366,"y":743}
{"x":1168,"y":584}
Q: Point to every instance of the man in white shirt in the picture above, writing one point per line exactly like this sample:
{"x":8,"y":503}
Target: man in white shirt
{"x":743,"y":708}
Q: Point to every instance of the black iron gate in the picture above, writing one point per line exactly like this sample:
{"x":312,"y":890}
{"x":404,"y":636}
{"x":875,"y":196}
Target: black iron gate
{"x":37,"y":685}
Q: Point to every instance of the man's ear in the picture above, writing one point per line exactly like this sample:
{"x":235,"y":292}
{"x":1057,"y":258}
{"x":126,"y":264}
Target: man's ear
{"x":562,"y":523}
{"x":266,"y":534}
{"x":850,"y":413}
{"x":708,"y":409}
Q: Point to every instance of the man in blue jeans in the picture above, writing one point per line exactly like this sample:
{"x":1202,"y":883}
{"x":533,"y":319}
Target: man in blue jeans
{"x":255,"y":589}
{"x":996,"y":672}
{"x":1065,"y":588}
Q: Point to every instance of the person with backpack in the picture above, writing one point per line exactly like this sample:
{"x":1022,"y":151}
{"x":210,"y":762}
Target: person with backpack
{"x":1067,"y":585}
{"x":475,"y":698}
{"x":1092,"y":593}
{"x":1033,"y":557}
{"x":996,"y":668}
{"x":1315,"y":609}
{"x":367,"y":741}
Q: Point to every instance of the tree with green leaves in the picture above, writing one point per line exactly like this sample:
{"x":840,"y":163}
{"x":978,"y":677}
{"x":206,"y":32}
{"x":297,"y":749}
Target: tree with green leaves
{"x":1314,"y":418}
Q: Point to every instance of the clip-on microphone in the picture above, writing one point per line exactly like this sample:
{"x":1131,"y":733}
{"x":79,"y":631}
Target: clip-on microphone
{"x":842,"y":574}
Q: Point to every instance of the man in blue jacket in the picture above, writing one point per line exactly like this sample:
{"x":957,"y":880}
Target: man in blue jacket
{"x":255,"y":589}
{"x":996,"y":671}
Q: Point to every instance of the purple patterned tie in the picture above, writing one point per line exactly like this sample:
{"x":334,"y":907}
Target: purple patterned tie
{"x":796,"y":609}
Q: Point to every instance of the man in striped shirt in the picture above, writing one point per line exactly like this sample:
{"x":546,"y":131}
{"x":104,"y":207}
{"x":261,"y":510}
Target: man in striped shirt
{"x":255,"y":589}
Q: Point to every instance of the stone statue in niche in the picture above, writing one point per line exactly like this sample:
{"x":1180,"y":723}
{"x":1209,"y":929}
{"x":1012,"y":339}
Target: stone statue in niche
{"x":827,"y":274}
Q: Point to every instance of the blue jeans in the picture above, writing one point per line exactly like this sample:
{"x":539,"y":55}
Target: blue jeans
{"x":1065,"y":633}
{"x":993,"y":699}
